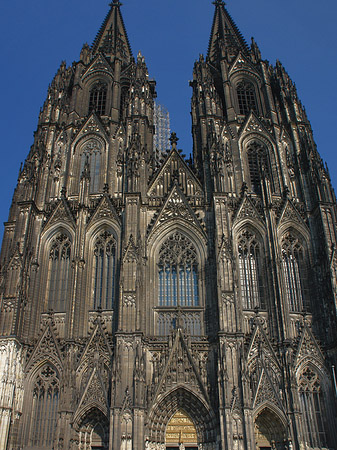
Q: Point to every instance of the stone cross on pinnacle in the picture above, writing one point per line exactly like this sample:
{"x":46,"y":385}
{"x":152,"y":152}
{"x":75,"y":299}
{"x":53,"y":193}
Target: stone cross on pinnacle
{"x":174,"y":139}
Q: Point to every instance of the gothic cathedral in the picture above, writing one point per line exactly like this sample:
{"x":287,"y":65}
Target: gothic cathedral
{"x":149,"y":301}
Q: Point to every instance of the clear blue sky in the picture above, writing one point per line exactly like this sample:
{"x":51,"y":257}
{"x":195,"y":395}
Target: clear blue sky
{"x":38,"y":35}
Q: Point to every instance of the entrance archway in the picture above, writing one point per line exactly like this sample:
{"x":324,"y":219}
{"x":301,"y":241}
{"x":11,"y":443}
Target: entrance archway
{"x":181,"y":430}
{"x":270,"y":432}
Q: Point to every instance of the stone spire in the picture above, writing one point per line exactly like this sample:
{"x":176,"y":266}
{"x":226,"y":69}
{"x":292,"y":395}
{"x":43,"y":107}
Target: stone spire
{"x":225,"y":35}
{"x":112,"y":38}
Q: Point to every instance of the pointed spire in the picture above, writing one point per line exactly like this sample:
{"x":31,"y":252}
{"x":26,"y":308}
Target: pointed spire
{"x":112,"y":38}
{"x":225,"y":35}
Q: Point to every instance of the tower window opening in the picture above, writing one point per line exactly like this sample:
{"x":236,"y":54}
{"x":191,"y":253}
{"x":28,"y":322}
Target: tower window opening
{"x":178,"y":291}
{"x":58,"y":273}
{"x":250,"y":270}
{"x":293,"y":264}
{"x":104,"y":271}
{"x":246,"y":97}
{"x":258,"y":163}
{"x":97,"y":100}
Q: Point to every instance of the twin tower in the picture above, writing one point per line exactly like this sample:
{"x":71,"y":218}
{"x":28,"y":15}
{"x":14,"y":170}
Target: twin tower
{"x":150,"y":302}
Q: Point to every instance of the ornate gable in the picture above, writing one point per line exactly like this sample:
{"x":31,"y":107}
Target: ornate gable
{"x":260,"y":344}
{"x":46,"y":349}
{"x":62,"y":213}
{"x":92,"y":125}
{"x":241,"y":63}
{"x":98,"y":65}
{"x":97,"y":350}
{"x":176,"y":207}
{"x":266,"y":391}
{"x":95,"y":394}
{"x":247,"y":210}
{"x":175,"y":168}
{"x":180,"y":369}
{"x":254,"y":125}
{"x":308,"y":348}
{"x":104,"y":210}
{"x":290,"y":214}
{"x":131,"y":252}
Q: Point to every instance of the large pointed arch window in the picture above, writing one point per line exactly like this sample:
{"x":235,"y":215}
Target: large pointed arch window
{"x":293,"y":264}
{"x":178,"y":272}
{"x":59,"y":272}
{"x":313,"y":409}
{"x":246,"y":97}
{"x":43,"y":416}
{"x":258,"y":163}
{"x":97,"y":99}
{"x":104,"y":271}
{"x":178,"y":290}
{"x":92,"y":155}
{"x":249,"y":252}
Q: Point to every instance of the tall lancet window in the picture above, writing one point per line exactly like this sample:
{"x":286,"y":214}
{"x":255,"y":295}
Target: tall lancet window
{"x":178,"y":272}
{"x":249,"y":252}
{"x":59,"y":272}
{"x":293,"y":264}
{"x":313,"y":410}
{"x":178,"y":285}
{"x":92,"y":153}
{"x":43,"y":416}
{"x":246,"y":97}
{"x":258,"y":163}
{"x":104,"y":271}
{"x":97,"y":99}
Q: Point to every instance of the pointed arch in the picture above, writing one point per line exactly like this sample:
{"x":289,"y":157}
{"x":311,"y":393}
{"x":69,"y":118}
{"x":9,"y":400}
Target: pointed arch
{"x":177,"y":259}
{"x":251,"y":266}
{"x":92,"y":426}
{"x":181,"y":398}
{"x":103,"y":256}
{"x":295,"y":268}
{"x":43,"y":402}
{"x":271,"y":430}
{"x":314,"y":405}
{"x":91,"y":148}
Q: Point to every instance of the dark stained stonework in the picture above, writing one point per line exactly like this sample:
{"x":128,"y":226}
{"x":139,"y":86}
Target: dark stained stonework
{"x":140,"y":290}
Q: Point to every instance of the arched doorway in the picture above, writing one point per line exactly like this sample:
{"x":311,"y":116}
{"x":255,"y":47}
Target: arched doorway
{"x":270,"y":432}
{"x":181,"y":432}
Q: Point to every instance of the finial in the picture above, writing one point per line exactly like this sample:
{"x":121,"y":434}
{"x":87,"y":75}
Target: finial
{"x":219,"y":3}
{"x":174,"y":139}
{"x":115,"y":3}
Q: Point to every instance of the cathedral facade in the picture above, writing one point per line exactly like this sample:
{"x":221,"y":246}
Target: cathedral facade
{"x":154,"y":302}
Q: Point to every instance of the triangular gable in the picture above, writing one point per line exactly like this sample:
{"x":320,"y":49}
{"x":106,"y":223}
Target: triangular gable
{"x":99,"y":64}
{"x":96,"y":347}
{"x":46,"y":349}
{"x":104,"y":210}
{"x":62,"y":213}
{"x":266,"y":391}
{"x":92,"y":125}
{"x":94,"y":394}
{"x":260,"y":343}
{"x":254,"y":125}
{"x":176,"y":207}
{"x":15,"y":260}
{"x":173,"y":165}
{"x":240,"y":63}
{"x":173,"y":374}
{"x":308,"y":347}
{"x":119,"y":132}
{"x":247,"y":210}
{"x":131,"y":252}
{"x":290,"y":214}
